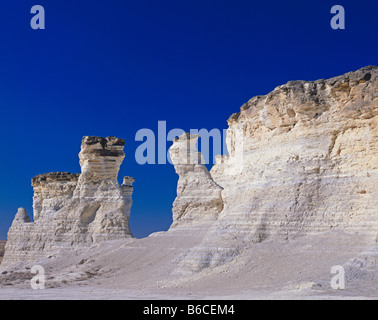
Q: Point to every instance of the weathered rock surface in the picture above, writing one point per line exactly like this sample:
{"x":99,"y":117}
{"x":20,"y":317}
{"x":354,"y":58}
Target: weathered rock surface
{"x":296,"y":195}
{"x":198,"y":196}
{"x":75,"y":209}
{"x":51,"y":192}
{"x":2,"y":249}
{"x":302,"y":160}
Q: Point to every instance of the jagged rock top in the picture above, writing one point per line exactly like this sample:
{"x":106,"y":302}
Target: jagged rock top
{"x":187,"y":136}
{"x":128,"y":181}
{"x":55,"y":176}
{"x":105,"y":142}
{"x":103,"y":147}
{"x":314,"y":98}
{"x":21,"y":215}
{"x":184,"y":151}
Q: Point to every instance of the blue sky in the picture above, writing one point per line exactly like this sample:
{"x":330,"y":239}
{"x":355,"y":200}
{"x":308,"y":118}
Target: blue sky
{"x":113,"y":67}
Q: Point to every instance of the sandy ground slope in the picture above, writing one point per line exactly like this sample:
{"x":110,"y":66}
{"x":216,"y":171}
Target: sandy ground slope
{"x":146,"y":269}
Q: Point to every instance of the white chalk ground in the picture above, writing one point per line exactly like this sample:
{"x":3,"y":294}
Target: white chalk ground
{"x":145,"y":269}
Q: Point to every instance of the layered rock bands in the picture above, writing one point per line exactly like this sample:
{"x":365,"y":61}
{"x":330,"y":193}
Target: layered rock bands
{"x":75,"y":209}
{"x":302,"y":160}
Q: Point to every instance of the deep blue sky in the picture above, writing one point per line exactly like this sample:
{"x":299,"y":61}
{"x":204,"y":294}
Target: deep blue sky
{"x":113,"y":67}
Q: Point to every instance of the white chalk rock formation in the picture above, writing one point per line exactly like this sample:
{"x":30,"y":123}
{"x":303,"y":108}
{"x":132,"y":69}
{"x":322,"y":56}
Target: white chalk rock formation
{"x":198,"y":196}
{"x":75,"y":209}
{"x":51,"y":192}
{"x":127,"y":193}
{"x":302,"y":160}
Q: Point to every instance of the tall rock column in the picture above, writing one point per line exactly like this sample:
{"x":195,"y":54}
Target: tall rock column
{"x":100,"y":203}
{"x":127,"y":193}
{"x":198,"y":196}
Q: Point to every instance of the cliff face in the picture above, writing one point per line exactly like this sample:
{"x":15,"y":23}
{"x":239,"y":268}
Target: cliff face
{"x":302,"y":160}
{"x":75,"y":209}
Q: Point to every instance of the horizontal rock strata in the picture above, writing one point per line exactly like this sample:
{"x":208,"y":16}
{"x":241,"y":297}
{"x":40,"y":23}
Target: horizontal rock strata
{"x":302,"y":160}
{"x":75,"y":209}
{"x":198,"y":195}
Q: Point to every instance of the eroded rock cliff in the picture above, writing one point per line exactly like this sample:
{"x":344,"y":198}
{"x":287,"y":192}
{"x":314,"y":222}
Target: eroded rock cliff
{"x":302,"y":160}
{"x":75,"y":209}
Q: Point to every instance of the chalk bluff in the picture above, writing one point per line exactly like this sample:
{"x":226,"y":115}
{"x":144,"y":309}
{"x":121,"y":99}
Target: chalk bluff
{"x":303,"y":160}
{"x":75,"y":209}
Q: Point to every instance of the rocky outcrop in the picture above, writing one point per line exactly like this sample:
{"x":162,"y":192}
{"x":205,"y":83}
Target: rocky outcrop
{"x":51,"y":192}
{"x":2,"y":249}
{"x":302,"y":160}
{"x":75,"y":209}
{"x":198,"y":196}
{"x":127,"y":193}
